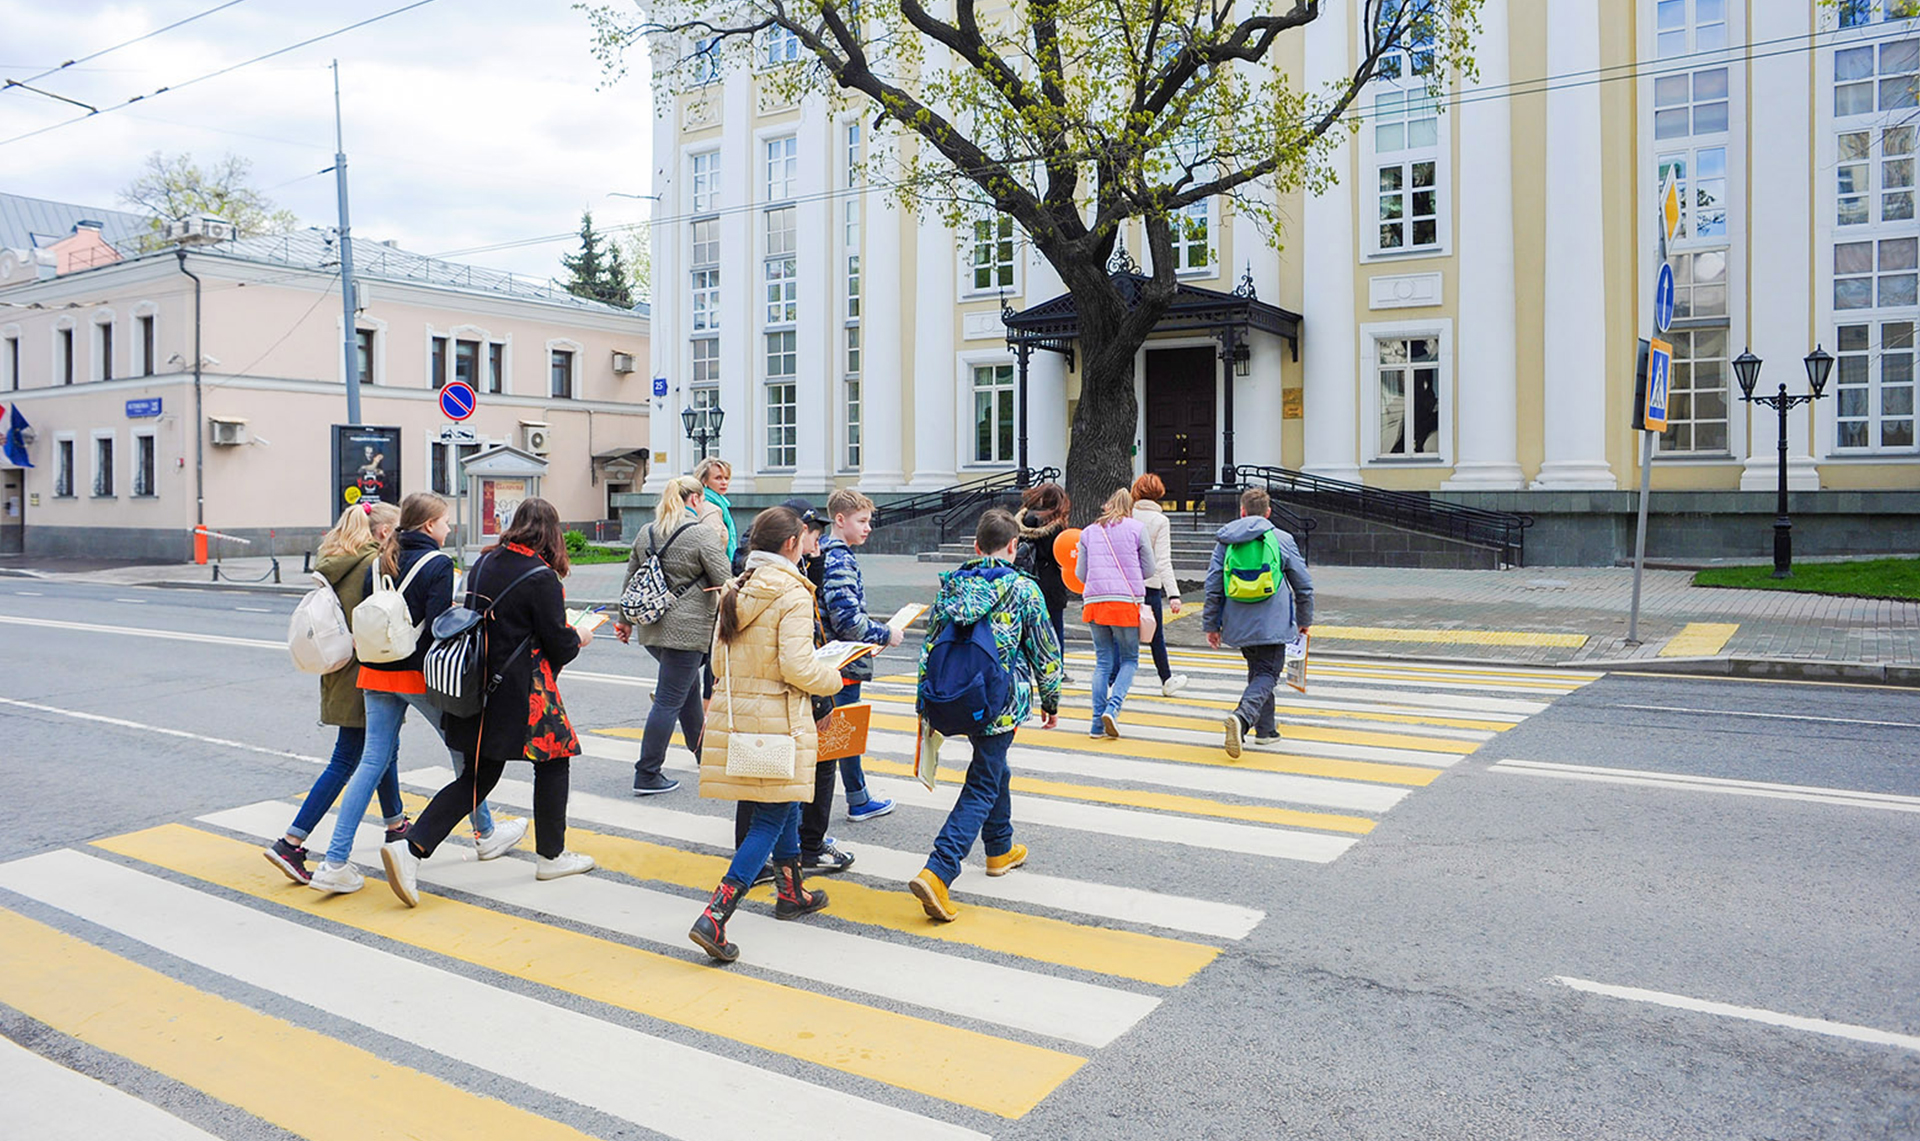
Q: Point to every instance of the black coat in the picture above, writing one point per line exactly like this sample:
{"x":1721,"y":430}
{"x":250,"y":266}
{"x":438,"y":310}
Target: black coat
{"x":536,"y":607}
{"x":428,"y":595}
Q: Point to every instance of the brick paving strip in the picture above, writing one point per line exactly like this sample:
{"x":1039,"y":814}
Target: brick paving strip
{"x":1535,"y":615}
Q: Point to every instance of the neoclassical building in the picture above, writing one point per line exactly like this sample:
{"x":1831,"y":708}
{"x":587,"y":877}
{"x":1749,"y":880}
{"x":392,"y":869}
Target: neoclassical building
{"x":1465,"y":303}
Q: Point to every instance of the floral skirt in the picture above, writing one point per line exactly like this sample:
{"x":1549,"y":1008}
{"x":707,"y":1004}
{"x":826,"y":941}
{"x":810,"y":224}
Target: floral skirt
{"x":550,"y":734}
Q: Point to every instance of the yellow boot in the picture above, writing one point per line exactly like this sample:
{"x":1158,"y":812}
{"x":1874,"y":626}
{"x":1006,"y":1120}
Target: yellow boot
{"x":931,"y":891}
{"x":1002,"y":864}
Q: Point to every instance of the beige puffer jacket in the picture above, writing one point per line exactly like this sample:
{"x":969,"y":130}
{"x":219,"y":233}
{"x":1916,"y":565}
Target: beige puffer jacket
{"x":771,"y":670}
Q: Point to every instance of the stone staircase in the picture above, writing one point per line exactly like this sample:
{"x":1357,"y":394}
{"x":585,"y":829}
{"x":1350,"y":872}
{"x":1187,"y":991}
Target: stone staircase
{"x":1191,"y":550}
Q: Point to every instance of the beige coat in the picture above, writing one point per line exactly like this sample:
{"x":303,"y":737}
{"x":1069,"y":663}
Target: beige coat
{"x":1159,"y":533}
{"x":771,"y":670}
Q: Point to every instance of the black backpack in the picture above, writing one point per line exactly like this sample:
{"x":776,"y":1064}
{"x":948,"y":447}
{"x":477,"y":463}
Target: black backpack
{"x":456,"y":666}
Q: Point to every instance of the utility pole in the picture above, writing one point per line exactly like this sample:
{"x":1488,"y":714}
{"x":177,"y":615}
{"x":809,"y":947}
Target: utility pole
{"x":348,"y":325}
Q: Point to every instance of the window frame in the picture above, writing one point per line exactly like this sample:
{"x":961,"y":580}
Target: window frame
{"x":780,"y":455}
{"x":105,"y":474}
{"x":100,"y":345}
{"x":971,"y":245}
{"x":147,"y":465}
{"x":146,"y":339}
{"x":63,"y":347}
{"x":437,"y":360}
{"x":1371,"y":335}
{"x":10,"y":356}
{"x":1692,"y":331}
{"x":784,"y":189}
{"x":571,"y":384}
{"x":497,"y":368}
{"x":780,"y":270}
{"x":967,"y":414}
{"x":66,"y":465}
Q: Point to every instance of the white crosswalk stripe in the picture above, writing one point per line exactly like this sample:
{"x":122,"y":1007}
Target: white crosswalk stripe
{"x":48,"y":1102}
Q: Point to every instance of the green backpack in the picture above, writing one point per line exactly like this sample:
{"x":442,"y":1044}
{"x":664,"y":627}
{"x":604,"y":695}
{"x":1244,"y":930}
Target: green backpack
{"x":1253,"y":568}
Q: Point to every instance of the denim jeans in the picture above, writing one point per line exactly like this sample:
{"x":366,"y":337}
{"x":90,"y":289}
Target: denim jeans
{"x":775,"y":832}
{"x":1264,"y":666}
{"x":347,"y":748}
{"x":851,"y":774}
{"x":984,"y":809}
{"x":381,"y":755}
{"x":1116,"y":654}
{"x":676,"y":697}
{"x":1155,"y":600}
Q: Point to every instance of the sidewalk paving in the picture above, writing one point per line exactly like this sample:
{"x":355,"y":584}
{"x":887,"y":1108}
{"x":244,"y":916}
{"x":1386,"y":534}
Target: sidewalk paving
{"x":1534,"y":616}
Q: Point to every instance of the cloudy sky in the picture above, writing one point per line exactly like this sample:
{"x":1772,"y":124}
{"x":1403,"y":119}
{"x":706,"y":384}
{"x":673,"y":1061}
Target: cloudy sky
{"x":468,"y":122}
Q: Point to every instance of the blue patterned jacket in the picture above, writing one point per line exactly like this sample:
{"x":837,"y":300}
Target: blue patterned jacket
{"x":843,"y":604}
{"x":1022,"y":632}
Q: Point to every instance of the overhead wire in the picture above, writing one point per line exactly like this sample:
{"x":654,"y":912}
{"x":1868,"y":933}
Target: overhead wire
{"x":125,"y":43}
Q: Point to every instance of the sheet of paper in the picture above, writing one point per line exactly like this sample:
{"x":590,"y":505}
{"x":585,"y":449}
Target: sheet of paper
{"x":1296,"y":673}
{"x":926,"y":754}
{"x":905,"y":616}
{"x":840,"y":653}
{"x":588,"y":620}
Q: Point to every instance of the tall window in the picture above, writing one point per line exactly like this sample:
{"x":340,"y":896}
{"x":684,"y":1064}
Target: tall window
{"x":705,"y":192}
{"x":143,"y":465}
{"x":363,"y":354}
{"x":1406,"y":139}
{"x":466,"y":363}
{"x":783,"y":168}
{"x":1409,"y":403}
{"x":850,"y":238}
{"x":1874,"y":76}
{"x":705,"y":283}
{"x":993,"y":252}
{"x":851,"y":409}
{"x":103,"y":467}
{"x":144,"y":326}
{"x":1682,"y":27}
{"x":1697,"y":394}
{"x":781,"y":268}
{"x":1873,"y":386}
{"x":993,"y":427}
{"x":561,"y":370}
{"x":706,"y":60}
{"x":444,"y":465}
{"x":705,"y":400}
{"x":10,"y":356}
{"x":496,"y":367}
{"x":63,"y":469}
{"x":1873,"y":176}
{"x":1700,"y":285}
{"x":778,"y":46}
{"x":783,"y":433}
{"x":103,"y":350}
{"x":1193,"y":237}
{"x":437,"y":363}
{"x":63,"y":350}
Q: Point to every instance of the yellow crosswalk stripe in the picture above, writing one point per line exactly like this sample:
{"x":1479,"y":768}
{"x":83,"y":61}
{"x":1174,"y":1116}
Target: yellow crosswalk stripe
{"x":1124,"y":954}
{"x":1374,"y":771}
{"x":954,"y":1064}
{"x":1172,"y":721}
{"x":1699,"y":639}
{"x":1161,"y":801}
{"x":298,"y":1079}
{"x":1448,"y":637}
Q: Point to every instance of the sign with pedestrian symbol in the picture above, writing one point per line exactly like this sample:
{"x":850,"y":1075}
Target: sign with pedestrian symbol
{"x":1663,"y":299}
{"x":1659,"y":381}
{"x":457,"y":399}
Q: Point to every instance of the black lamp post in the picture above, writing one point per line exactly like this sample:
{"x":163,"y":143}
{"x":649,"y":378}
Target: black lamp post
{"x":702,"y":429}
{"x":1746,"y":367}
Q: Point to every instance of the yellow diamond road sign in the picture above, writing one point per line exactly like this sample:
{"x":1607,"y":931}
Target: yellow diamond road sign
{"x":1670,"y":208}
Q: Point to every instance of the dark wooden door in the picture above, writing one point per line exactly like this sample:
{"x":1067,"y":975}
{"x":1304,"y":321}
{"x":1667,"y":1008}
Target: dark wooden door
{"x":1179,"y":417}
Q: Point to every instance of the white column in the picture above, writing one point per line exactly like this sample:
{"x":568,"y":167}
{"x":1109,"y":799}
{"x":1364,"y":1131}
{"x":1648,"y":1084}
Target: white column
{"x":665,"y":345}
{"x":934,"y":369}
{"x":1575,"y":296}
{"x":816,"y":379}
{"x":1780,"y":273}
{"x":742,"y":345}
{"x":1329,"y":332}
{"x":882,"y":429}
{"x":1046,"y":375}
{"x":1486,"y":376}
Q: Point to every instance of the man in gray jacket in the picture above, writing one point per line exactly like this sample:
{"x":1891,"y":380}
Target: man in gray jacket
{"x":1260,"y":629}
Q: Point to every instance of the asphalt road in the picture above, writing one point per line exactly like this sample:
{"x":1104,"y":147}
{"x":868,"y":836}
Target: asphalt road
{"x":1437,"y":980}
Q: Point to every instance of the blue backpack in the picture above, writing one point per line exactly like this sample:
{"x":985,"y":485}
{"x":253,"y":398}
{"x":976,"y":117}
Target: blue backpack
{"x":965,"y":688}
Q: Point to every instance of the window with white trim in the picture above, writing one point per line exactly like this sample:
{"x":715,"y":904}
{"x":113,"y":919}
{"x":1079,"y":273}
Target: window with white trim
{"x":782,"y":399}
{"x":1407,"y":370}
{"x":705,"y":280}
{"x":850,"y":239}
{"x":496,"y":367}
{"x":704,"y":192}
{"x":1690,"y":103}
{"x":1873,"y":176}
{"x":1699,"y":284}
{"x":852,"y":136}
{"x":103,"y":466}
{"x":1876,"y":275}
{"x":1697,"y":396}
{"x":444,"y":464}
{"x":705,"y":399}
{"x":1193,"y":230}
{"x":10,"y":360}
{"x":993,"y":414}
{"x":1873,"y":386}
{"x":466,"y":363}
{"x":363,"y":354}
{"x":437,"y":362}
{"x":103,"y":349}
{"x":1412,"y":60}
{"x":1859,"y":13}
{"x":706,"y":361}
{"x":778,"y":45}
{"x":851,"y":410}
{"x":1879,"y":76}
{"x":1405,"y":139}
{"x":706,"y":60}
{"x":1409,"y":198}
{"x":1683,"y":27}
{"x":780,"y":269}
{"x":560,"y":371}
{"x":992,"y":259}
{"x":144,"y":466}
{"x":63,"y":354}
{"x":144,"y":344}
{"x":782,"y":168}
{"x":1700,"y":176}
{"x":63,"y":473}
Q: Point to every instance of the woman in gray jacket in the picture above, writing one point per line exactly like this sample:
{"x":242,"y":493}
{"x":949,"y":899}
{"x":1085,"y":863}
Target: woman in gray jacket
{"x":695,"y":561}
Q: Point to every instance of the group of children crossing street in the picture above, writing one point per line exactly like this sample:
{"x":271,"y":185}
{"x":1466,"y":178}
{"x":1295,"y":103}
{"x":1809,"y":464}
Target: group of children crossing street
{"x":736,"y":624}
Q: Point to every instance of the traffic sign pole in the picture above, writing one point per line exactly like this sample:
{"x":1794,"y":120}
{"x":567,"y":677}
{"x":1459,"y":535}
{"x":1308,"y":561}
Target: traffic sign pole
{"x":1659,"y":381}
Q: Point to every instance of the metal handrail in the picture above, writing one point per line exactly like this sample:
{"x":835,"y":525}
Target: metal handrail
{"x":1503,"y":531}
{"x":949,"y":502}
{"x":1300,"y":526}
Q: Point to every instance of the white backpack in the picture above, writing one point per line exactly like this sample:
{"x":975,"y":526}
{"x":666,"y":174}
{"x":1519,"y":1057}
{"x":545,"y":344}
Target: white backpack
{"x":383,"y":627}
{"x":318,"y":637}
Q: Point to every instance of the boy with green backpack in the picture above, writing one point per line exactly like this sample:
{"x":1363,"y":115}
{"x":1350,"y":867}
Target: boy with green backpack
{"x":1259,"y":598}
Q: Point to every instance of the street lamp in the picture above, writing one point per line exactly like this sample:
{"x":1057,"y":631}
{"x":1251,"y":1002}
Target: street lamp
{"x":701,"y":429}
{"x":1746,"y":367}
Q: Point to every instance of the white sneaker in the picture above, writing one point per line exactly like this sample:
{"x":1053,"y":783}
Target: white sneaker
{"x":403,"y":871}
{"x":1173,"y":685}
{"x":500,"y":841}
{"x":1264,"y":744}
{"x":336,"y":879}
{"x":564,"y":864}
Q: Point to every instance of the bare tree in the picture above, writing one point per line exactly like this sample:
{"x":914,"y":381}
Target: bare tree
{"x":170,"y":188}
{"x":1072,"y":117}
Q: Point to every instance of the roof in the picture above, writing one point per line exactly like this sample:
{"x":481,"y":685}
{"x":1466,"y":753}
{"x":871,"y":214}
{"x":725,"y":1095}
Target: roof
{"x":1054,"y":323}
{"x":30,"y":223}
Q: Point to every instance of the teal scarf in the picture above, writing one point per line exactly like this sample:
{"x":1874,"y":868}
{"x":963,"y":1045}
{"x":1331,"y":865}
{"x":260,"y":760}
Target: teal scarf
{"x":726,"y":516}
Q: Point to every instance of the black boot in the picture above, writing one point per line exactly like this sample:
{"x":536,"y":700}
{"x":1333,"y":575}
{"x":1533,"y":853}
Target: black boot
{"x":794,"y":900}
{"x":710,"y":930}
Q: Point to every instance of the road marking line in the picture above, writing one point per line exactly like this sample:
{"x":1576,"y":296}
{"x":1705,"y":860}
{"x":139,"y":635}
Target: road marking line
{"x":31,"y":593}
{"x":1812,"y":793}
{"x":549,"y":1048}
{"x":298,"y":1079}
{"x":253,"y":610}
{"x":1699,"y":640}
{"x":1099,"y":900}
{"x":1447,"y":637}
{"x":1519,"y":677}
{"x":122,"y":723}
{"x":1768,"y":716}
{"x":43,"y":1099}
{"x":1085,"y":1013}
{"x":1295,"y":713}
{"x":134,"y":601}
{"x":135,"y":632}
{"x":1746,"y":1013}
{"x":961,"y":1066}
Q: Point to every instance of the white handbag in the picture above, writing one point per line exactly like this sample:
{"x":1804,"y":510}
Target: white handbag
{"x":768,"y":756}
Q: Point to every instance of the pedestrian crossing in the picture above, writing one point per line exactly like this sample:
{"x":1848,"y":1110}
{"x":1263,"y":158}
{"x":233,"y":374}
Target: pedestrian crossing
{"x":504,"y":1006}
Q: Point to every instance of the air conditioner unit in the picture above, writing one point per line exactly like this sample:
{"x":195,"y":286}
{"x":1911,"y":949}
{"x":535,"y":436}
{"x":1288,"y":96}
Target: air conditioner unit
{"x":229,"y":433}
{"x":623,"y":362}
{"x":533,"y":437}
{"x":198,"y":230}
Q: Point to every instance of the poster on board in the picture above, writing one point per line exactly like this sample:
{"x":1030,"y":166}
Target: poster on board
{"x":499,"y":499}
{"x":366,"y":466}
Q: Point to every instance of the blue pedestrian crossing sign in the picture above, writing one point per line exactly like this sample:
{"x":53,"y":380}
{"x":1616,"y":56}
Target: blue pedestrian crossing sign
{"x":1659,"y":382}
{"x":1663,"y":298}
{"x":457,"y":399}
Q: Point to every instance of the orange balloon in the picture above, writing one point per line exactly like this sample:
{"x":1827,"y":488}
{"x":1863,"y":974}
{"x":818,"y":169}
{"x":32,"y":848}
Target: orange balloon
{"x":1066,"y":551}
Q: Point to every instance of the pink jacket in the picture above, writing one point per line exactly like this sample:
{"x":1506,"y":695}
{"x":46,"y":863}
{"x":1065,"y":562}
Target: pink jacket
{"x":1115,"y":562}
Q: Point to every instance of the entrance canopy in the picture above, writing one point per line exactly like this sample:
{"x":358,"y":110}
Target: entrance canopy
{"x":1055,"y":324}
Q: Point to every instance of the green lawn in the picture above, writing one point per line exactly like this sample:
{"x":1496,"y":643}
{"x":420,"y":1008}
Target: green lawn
{"x":593,"y":555}
{"x":1863,"y":578}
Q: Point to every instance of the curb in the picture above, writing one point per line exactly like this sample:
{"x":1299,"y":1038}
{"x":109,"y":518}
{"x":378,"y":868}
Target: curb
{"x":1788,"y":669}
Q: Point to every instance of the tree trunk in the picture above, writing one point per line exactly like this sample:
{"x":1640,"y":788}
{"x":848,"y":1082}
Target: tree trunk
{"x":1100,"y":445}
